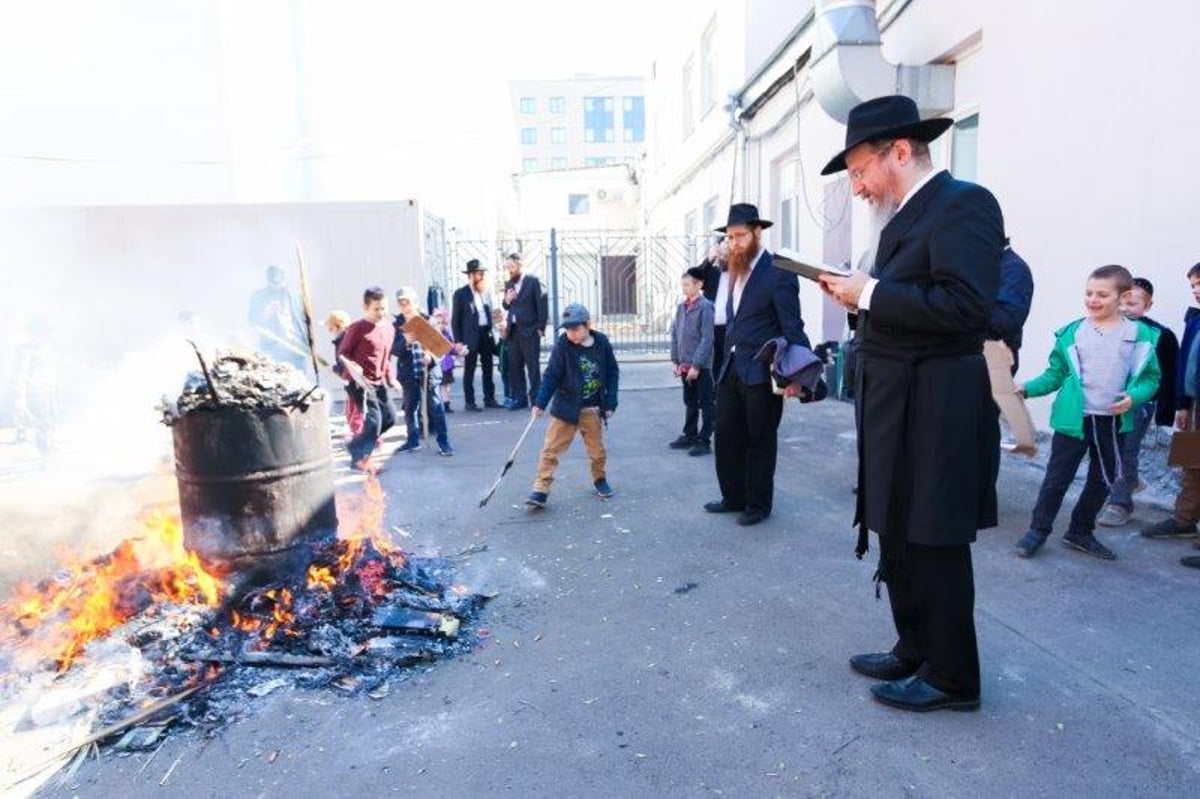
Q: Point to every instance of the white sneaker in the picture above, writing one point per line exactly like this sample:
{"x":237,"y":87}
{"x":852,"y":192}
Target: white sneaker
{"x":1113,"y":516}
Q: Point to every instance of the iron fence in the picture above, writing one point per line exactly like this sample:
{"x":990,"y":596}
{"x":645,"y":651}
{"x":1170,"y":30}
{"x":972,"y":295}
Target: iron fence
{"x":628,"y":281}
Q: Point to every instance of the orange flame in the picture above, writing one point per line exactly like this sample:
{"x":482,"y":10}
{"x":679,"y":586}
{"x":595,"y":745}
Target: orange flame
{"x":58,"y":617}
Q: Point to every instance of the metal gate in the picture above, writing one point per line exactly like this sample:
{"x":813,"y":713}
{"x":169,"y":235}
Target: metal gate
{"x":628,"y":281}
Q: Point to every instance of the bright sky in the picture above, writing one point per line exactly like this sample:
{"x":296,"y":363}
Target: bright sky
{"x":401,"y":99}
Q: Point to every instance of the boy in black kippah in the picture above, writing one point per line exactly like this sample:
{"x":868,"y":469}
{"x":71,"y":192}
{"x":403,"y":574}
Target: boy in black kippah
{"x":692,"y":355}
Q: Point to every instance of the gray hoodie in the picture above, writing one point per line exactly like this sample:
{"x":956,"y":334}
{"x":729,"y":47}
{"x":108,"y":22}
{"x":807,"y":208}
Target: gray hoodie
{"x":692,"y":334}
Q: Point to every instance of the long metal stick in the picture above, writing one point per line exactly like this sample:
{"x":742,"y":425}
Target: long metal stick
{"x":512,"y":456}
{"x":306,"y":302}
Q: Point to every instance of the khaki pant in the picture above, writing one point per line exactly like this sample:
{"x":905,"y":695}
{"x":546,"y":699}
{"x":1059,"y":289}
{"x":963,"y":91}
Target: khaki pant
{"x":558,"y":439}
{"x":1187,"y":504}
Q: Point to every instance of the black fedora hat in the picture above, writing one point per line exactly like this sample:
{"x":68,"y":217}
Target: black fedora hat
{"x":891,"y":117}
{"x":473,"y":266}
{"x":743,"y":214}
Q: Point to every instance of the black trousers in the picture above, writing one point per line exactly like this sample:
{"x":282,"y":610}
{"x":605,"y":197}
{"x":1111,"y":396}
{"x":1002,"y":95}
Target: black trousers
{"x":378,"y":418}
{"x":718,"y":348}
{"x":1102,"y":442}
{"x":698,"y":400}
{"x":933,"y":607}
{"x":745,"y":443}
{"x":523,"y":361}
{"x":484,"y":354}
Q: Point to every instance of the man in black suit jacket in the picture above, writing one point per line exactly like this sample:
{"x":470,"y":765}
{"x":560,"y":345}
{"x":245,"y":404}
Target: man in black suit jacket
{"x":928,"y":435}
{"x":763,"y":304}
{"x":471,"y":324}
{"x":527,"y":318}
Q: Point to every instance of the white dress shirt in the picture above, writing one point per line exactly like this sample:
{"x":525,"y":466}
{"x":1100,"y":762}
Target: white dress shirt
{"x":723,"y":297}
{"x":482,"y":313}
{"x":864,"y":299}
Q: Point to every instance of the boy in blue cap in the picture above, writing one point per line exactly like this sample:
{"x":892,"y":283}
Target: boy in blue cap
{"x":581,"y":377}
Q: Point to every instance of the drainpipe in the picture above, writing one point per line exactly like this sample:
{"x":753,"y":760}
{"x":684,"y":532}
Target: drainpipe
{"x":848,"y":66}
{"x":734,"y":109}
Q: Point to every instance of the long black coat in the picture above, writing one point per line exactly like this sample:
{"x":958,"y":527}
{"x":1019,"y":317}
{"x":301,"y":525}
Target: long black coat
{"x":527,"y":314}
{"x":464,"y":321}
{"x":928,"y":433}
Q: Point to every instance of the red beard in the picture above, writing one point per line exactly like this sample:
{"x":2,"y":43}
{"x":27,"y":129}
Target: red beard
{"x":740,"y":260}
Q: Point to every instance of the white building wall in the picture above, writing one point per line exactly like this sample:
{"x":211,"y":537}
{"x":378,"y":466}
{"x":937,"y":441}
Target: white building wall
{"x":1086,"y":113}
{"x":612,"y":199}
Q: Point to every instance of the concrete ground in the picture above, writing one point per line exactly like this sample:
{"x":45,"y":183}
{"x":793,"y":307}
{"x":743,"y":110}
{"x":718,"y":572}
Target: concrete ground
{"x":642,"y":647}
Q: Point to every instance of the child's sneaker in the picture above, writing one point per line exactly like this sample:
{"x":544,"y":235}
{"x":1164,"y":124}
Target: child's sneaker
{"x":603,"y":489}
{"x":536,"y":499}
{"x":1030,"y":543}
{"x":683,"y":442}
{"x":1088,"y":544}
{"x":701,"y":447}
{"x":1113,"y":516}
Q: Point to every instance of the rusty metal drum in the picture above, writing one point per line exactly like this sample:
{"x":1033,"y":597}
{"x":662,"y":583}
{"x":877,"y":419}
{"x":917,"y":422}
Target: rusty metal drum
{"x":255,"y":484}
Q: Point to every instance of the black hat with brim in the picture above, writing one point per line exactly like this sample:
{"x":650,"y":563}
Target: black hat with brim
{"x":885,"y":118}
{"x":743,"y":214}
{"x":474,"y":266}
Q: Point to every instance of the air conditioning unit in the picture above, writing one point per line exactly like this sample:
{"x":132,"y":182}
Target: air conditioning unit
{"x":602,"y":194}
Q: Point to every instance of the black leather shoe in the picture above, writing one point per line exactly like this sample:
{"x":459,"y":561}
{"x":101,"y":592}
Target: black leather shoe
{"x":491,"y":404}
{"x":721,"y":506}
{"x":749,"y":518}
{"x":470,"y":406}
{"x":919,"y":696}
{"x":882,"y":666}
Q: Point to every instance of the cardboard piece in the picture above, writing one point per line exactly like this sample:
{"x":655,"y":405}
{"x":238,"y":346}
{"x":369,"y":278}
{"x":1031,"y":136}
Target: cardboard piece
{"x":1012,"y":405}
{"x":427,"y":336}
{"x":805,"y":267}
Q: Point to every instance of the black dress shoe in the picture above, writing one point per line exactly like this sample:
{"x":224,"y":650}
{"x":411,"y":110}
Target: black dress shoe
{"x":882,"y":666}
{"x":721,"y":506}
{"x":491,"y":404}
{"x":749,"y":518}
{"x":919,"y":696}
{"x":470,"y":406}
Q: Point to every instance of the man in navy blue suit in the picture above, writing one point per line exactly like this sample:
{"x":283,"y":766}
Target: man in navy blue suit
{"x":471,"y":323}
{"x":763,"y":304}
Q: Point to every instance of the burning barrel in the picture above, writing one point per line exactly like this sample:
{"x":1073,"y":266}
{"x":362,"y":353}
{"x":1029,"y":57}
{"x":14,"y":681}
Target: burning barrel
{"x":254,"y":466}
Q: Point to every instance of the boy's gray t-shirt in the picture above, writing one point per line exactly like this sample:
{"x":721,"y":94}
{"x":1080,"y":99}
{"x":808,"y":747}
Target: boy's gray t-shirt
{"x":1105,"y":361}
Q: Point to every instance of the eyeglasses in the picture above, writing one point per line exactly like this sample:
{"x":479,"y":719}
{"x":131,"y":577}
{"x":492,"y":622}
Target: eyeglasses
{"x":878,"y":150}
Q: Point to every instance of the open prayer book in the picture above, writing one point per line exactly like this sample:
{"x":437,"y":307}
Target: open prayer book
{"x":805,"y":267}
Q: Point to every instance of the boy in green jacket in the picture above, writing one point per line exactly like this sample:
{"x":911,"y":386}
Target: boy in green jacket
{"x":1102,"y":366}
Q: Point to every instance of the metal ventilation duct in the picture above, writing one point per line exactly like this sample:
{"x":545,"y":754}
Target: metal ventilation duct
{"x":848,"y":67}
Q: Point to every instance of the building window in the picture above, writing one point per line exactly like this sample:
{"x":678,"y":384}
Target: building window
{"x":633,"y":119}
{"x":708,"y":68}
{"x":558,"y":163}
{"x":577,"y":204}
{"x":596,"y":160}
{"x":689,"y":232}
{"x":558,"y":135}
{"x":528,"y":135}
{"x":686,"y":106}
{"x":558,"y":105}
{"x":787,"y":218}
{"x":709,"y":215}
{"x":598,"y":119}
{"x":528,"y":106}
{"x":964,"y":149}
{"x":529,"y":165}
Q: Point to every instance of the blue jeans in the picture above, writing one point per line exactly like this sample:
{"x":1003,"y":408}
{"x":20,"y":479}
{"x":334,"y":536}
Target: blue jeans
{"x":412,"y":413}
{"x":1122,"y":489}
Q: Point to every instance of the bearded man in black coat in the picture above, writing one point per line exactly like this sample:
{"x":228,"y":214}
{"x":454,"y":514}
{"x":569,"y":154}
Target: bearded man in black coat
{"x":928,"y":435}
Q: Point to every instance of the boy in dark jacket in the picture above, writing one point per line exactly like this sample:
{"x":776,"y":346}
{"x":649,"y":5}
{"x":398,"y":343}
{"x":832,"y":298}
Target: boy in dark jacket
{"x":1160,"y":410}
{"x":581,"y":377}
{"x":1182,"y":522}
{"x":692,"y":354}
